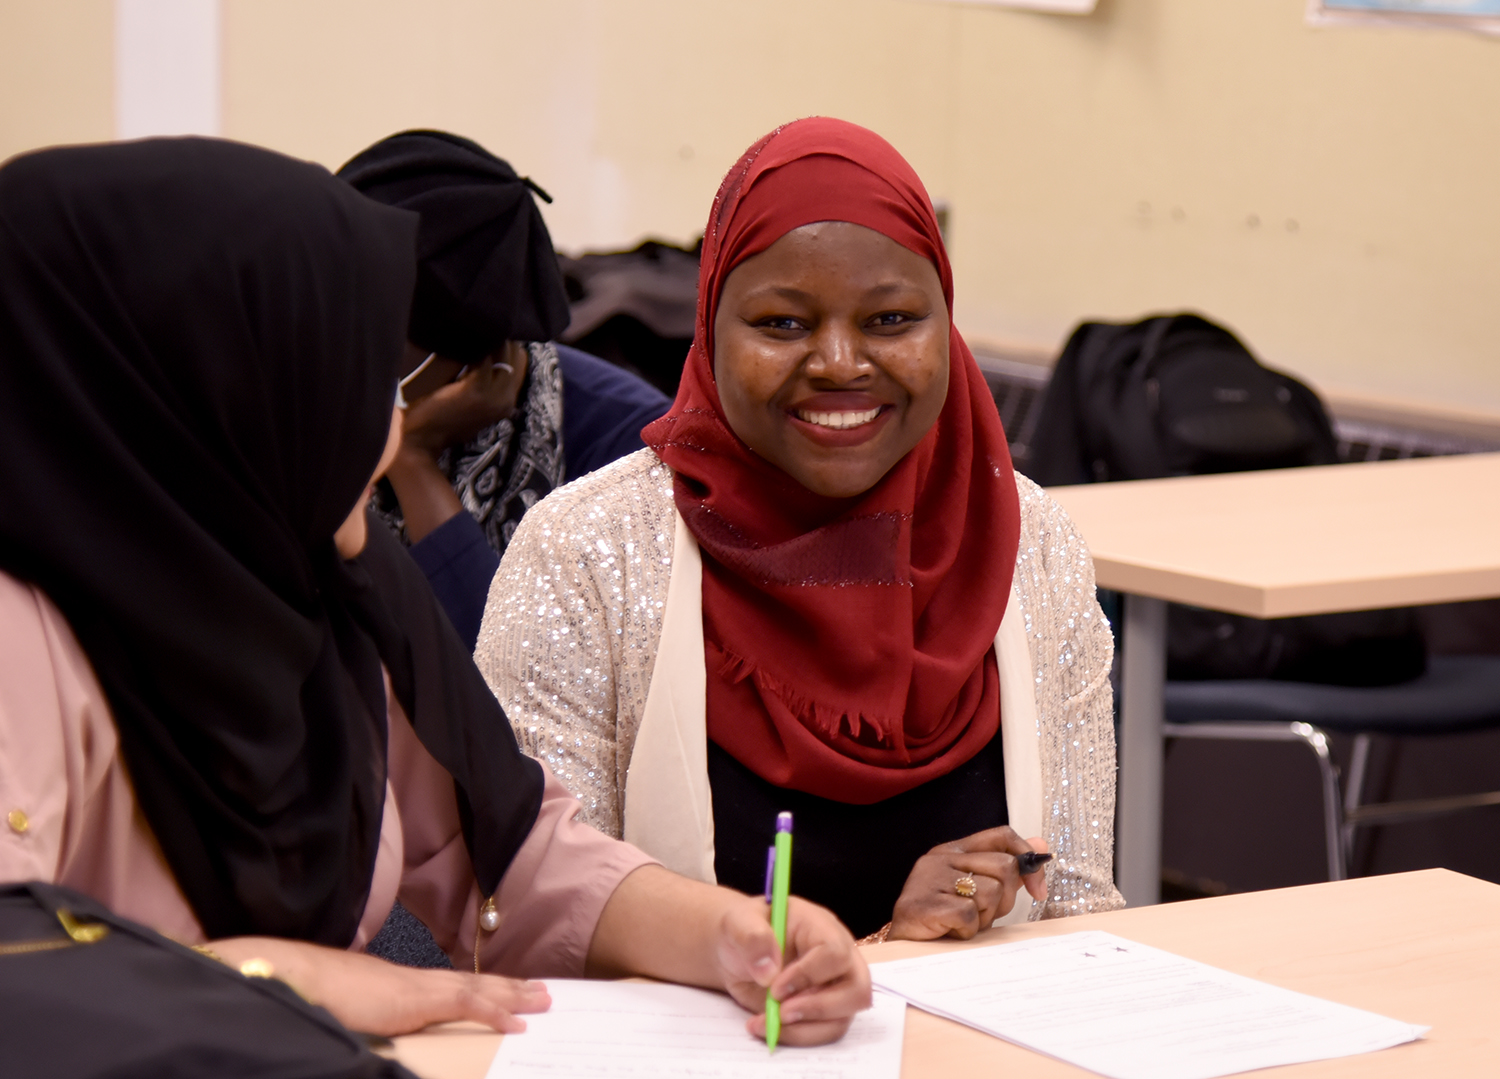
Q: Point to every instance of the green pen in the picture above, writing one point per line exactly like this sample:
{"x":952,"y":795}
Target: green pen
{"x":778,"y":888}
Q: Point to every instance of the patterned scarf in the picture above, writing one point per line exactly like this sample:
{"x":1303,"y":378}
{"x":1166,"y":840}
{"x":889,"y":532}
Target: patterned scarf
{"x":509,"y":466}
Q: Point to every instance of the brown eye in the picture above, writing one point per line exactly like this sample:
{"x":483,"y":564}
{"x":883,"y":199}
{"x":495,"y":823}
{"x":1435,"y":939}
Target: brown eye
{"x":890,"y":320}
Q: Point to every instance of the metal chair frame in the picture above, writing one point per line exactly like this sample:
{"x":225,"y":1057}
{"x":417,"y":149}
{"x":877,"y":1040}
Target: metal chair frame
{"x":1341,"y":814}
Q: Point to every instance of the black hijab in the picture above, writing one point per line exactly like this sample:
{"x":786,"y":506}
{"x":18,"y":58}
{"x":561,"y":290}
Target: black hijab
{"x":199,"y":342}
{"x":487,"y":272}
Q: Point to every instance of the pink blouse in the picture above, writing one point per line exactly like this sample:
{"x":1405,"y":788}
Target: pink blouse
{"x":68,"y":815}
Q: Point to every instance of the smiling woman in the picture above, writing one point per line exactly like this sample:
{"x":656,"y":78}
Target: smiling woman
{"x":822,"y":588}
{"x":831,"y":354}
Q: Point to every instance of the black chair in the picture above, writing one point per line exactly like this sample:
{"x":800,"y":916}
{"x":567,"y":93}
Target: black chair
{"x":1456,"y":694}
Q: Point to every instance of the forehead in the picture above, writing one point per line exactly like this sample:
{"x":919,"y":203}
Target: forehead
{"x":831,"y":256}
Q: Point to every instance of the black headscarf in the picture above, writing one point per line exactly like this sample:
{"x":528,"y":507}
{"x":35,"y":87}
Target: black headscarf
{"x":199,"y":342}
{"x":488,"y":273}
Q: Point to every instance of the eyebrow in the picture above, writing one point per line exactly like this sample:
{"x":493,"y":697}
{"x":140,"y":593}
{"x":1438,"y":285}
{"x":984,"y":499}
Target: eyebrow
{"x":787,"y":292}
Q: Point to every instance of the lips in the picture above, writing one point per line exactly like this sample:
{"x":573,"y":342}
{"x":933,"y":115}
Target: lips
{"x":840,"y":428}
{"x":838,"y":420}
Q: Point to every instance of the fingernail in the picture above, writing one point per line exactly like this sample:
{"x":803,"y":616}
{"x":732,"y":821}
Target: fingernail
{"x":792,"y":1016}
{"x":765,"y":965}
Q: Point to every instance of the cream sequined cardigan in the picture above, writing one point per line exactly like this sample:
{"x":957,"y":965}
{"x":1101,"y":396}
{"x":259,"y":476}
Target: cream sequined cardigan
{"x":593,"y":642}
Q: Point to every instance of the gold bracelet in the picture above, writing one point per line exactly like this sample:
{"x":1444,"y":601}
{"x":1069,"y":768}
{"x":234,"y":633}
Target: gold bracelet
{"x":878,"y":937}
{"x":250,"y":968}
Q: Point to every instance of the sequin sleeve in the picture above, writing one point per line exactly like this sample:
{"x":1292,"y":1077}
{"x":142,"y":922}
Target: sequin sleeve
{"x":572,"y":623}
{"x":1072,"y":650}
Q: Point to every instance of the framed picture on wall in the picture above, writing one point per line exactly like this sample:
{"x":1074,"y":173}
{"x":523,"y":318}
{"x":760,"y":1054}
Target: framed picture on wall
{"x":1479,"y":15}
{"x":1061,"y":7}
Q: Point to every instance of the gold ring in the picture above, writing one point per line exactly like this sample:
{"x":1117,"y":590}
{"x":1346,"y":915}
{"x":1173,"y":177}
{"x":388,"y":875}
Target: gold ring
{"x":965,"y":887}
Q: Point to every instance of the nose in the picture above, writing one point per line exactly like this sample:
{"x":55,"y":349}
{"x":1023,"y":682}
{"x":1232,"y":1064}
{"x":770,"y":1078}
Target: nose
{"x":838,"y":356}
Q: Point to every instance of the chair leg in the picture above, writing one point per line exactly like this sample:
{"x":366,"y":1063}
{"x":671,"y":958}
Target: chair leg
{"x":1333,"y":816}
{"x":1315,"y":740}
{"x":1359,"y":763}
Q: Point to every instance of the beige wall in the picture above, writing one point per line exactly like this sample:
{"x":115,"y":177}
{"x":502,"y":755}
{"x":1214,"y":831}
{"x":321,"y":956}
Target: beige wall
{"x":56,"y":73}
{"x":1330,"y":193}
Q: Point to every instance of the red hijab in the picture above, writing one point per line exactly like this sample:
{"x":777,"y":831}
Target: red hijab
{"x":849,"y":642}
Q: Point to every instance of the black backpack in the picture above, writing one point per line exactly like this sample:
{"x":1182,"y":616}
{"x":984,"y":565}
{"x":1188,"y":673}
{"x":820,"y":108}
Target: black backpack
{"x":86,"y":994}
{"x":1174,"y":395}
{"x":1178,"y":395}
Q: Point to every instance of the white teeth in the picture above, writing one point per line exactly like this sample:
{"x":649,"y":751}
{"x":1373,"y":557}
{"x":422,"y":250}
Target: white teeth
{"x":838,"y":420}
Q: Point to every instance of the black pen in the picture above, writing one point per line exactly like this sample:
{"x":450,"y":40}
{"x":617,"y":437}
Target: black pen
{"x":1031,"y":861}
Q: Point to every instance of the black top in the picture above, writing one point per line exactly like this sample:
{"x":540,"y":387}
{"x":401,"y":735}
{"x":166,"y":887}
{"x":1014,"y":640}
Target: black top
{"x":853,"y":859}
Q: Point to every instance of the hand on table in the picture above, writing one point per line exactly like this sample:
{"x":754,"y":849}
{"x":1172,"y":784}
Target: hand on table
{"x":930,"y":907}
{"x":376,"y":997}
{"x":822,"y":983}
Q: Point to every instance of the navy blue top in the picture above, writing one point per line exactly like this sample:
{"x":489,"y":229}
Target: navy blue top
{"x":459,"y":563}
{"x":604,"y":409}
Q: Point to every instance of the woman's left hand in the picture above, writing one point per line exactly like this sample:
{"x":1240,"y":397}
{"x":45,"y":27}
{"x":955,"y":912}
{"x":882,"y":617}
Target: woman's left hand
{"x":821,"y":982}
{"x":373,"y":996}
{"x":930,"y":905}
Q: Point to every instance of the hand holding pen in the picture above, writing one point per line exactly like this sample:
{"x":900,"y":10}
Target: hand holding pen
{"x":958,"y":889}
{"x":721,"y":939}
{"x":819,"y":982}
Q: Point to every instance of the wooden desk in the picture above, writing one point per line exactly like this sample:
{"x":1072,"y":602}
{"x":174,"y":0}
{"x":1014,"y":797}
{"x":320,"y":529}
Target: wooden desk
{"x":1419,"y":947}
{"x":1271,"y":544}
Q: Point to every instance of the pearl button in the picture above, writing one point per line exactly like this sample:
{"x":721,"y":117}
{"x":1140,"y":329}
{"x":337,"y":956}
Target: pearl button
{"x":18,"y":820}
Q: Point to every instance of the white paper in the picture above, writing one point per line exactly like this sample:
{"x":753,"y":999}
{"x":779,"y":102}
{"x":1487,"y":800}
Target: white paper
{"x":1129,"y":1011}
{"x":599,"y":1029}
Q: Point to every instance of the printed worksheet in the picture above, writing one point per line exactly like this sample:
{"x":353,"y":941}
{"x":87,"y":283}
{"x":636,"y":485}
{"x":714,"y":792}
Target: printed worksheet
{"x":604,"y":1029}
{"x":1129,"y":1011}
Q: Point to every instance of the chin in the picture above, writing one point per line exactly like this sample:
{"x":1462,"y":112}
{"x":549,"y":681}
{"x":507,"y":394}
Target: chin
{"x":839,"y":485}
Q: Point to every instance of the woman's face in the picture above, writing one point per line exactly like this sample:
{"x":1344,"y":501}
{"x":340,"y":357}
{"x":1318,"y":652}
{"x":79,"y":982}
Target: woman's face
{"x":351,"y":536}
{"x":831,"y":354}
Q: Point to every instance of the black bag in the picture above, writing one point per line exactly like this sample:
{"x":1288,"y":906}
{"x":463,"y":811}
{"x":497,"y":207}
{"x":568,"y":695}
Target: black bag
{"x":1177,"y":395}
{"x":635,"y":308}
{"x":84,"y":993}
{"x":1174,"y":395}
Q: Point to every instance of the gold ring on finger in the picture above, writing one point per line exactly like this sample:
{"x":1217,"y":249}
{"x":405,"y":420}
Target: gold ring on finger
{"x":965,"y":886}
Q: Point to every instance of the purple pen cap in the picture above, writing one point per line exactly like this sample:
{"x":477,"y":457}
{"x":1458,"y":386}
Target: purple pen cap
{"x":783,"y":822}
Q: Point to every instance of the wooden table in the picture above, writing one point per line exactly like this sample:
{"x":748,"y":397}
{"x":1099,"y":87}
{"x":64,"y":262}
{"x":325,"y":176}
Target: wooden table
{"x":1269,"y":545}
{"x":1419,"y":947}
